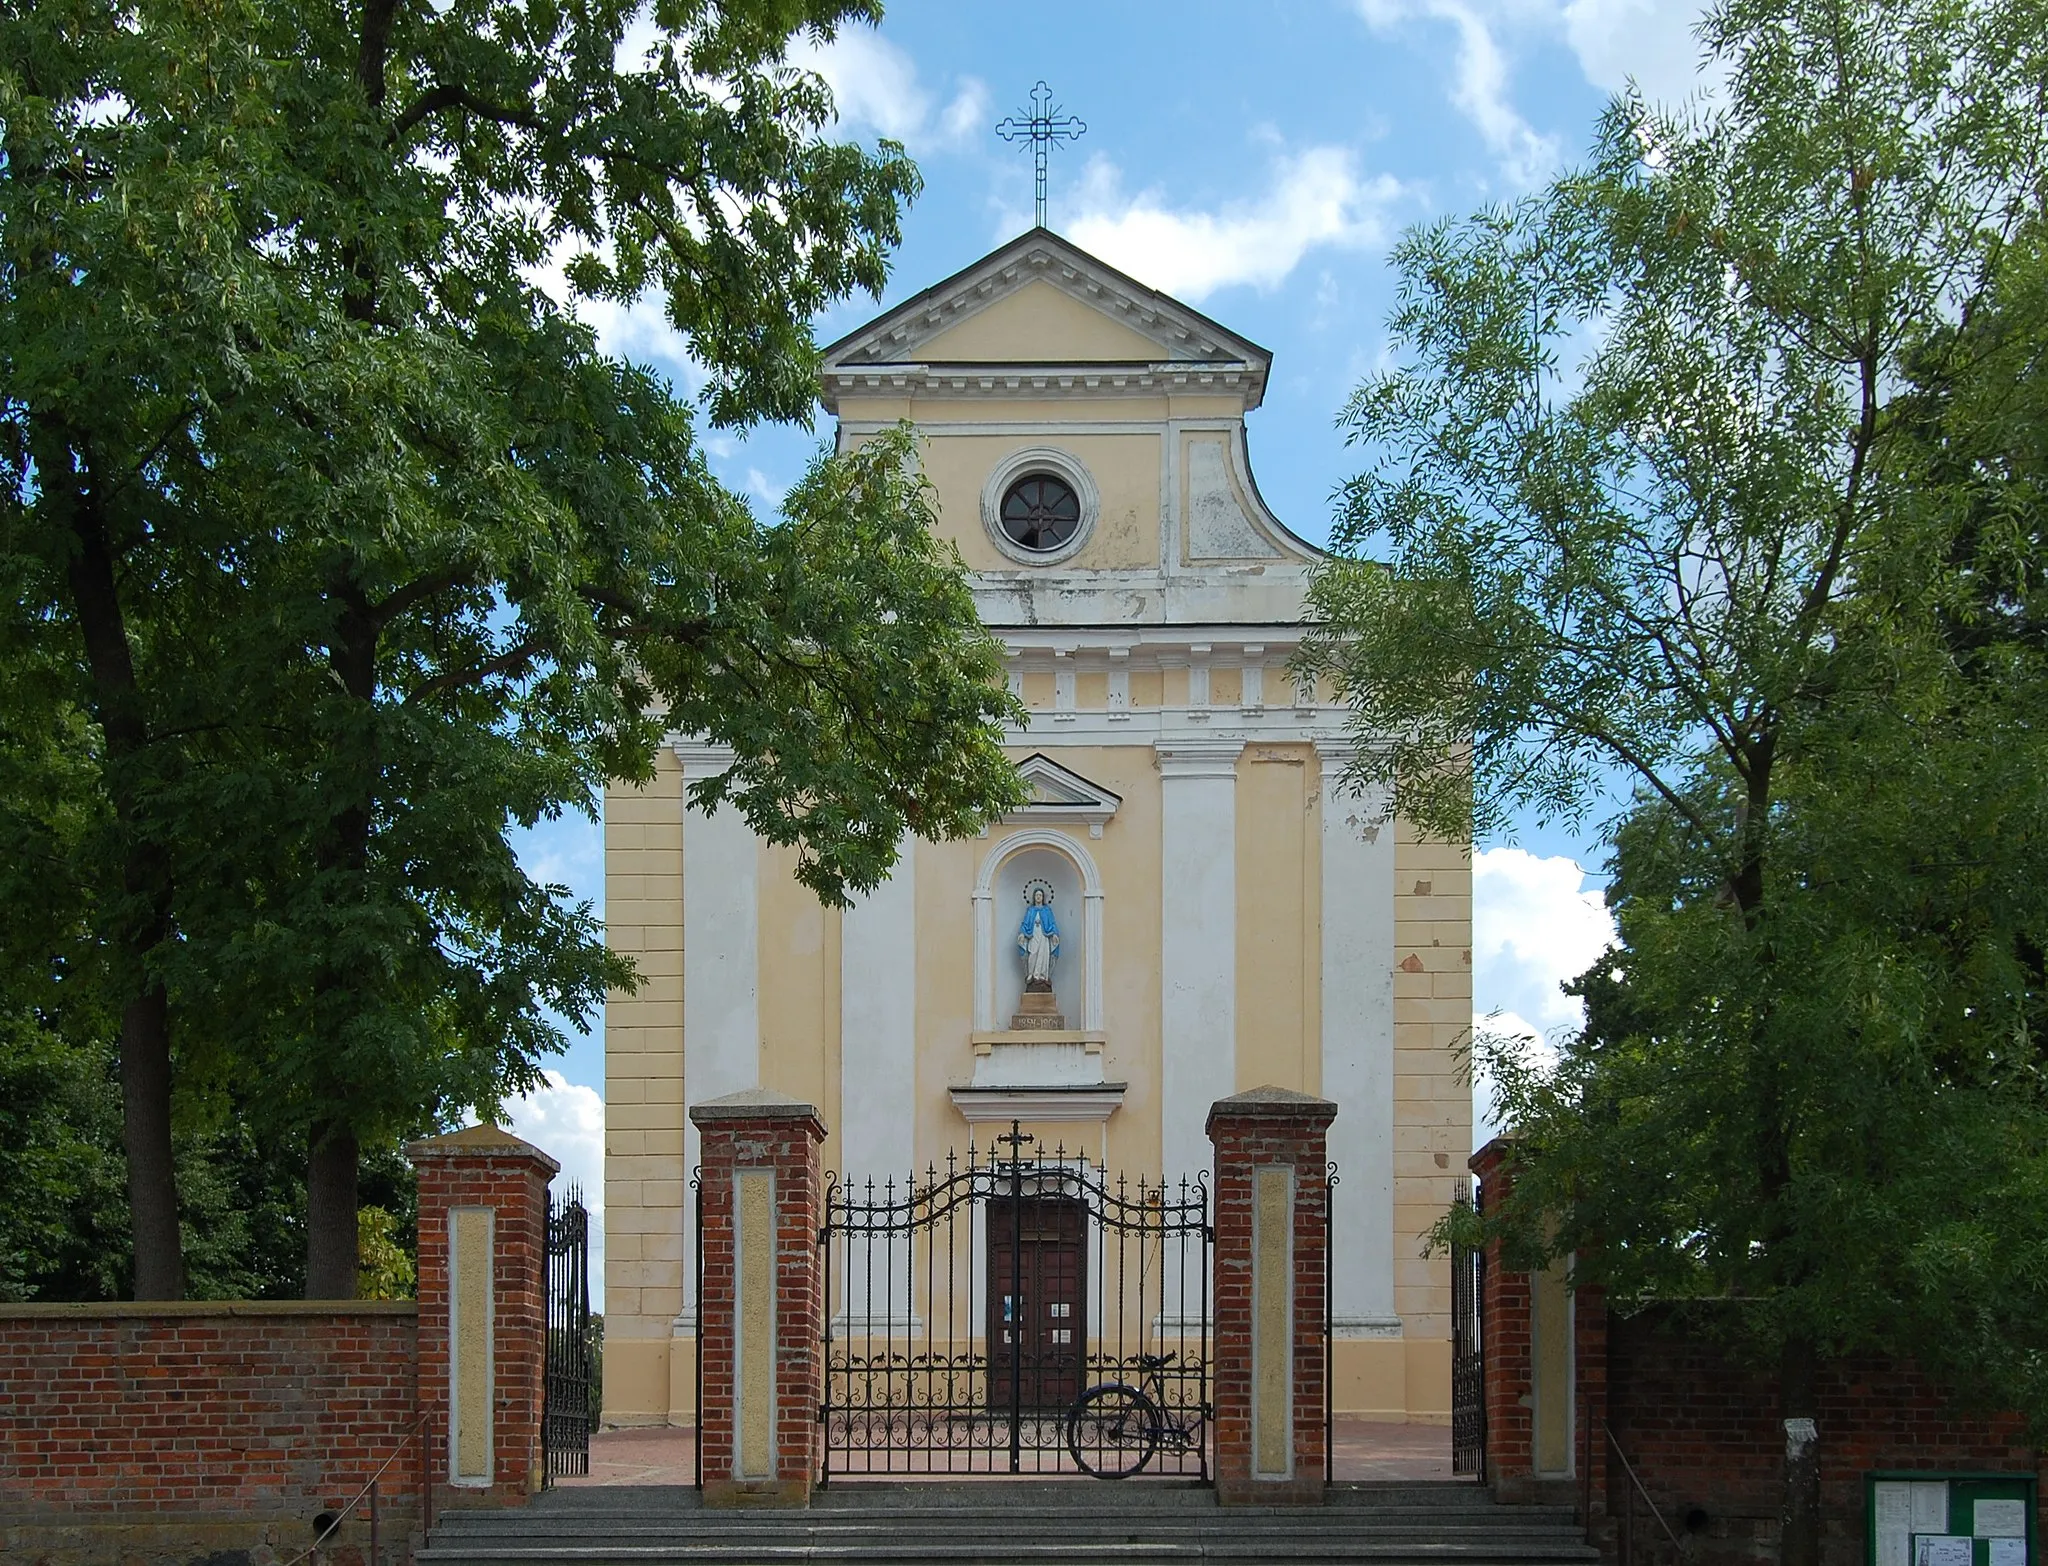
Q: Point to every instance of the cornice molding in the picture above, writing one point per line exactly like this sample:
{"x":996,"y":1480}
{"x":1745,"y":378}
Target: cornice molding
{"x":701,"y":758}
{"x":1203,"y":757}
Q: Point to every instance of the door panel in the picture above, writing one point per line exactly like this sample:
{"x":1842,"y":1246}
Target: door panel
{"x":1037,"y":1288}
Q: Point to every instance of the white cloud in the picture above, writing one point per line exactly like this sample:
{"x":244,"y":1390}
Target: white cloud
{"x":1649,"y":41}
{"x":766,"y":489}
{"x":1614,"y":41}
{"x":875,"y":87}
{"x":565,"y":1120}
{"x":1316,"y":198}
{"x":1479,"y":84}
{"x":1533,"y":927}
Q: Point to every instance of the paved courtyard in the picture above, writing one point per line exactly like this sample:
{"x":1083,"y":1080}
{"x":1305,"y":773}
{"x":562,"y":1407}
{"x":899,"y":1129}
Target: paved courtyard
{"x":1365,"y":1450}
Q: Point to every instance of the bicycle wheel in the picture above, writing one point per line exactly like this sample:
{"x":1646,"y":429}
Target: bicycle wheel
{"x":1113,"y":1431}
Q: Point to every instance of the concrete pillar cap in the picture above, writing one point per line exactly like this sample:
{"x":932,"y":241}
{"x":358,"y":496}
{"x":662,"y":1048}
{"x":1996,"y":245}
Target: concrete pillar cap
{"x":1272,"y":1103}
{"x":755,"y":1104}
{"x":484,"y":1141}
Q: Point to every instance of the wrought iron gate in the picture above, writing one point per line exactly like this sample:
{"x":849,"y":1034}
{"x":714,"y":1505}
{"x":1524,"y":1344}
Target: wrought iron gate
{"x":972,"y":1308}
{"x":1468,"y":1360}
{"x":565,"y":1416}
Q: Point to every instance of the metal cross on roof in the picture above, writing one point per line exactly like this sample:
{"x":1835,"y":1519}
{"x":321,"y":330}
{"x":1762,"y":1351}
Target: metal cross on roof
{"x":1045,"y":126}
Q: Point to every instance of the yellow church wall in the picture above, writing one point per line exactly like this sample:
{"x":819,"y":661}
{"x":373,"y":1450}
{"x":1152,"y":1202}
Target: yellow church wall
{"x":644,"y":1189}
{"x":1433,"y":1104}
{"x":1038,"y":322}
{"x":945,"y":992}
{"x":1128,"y":855}
{"x":1278,"y":879}
{"x":1125,"y":468}
{"x":1148,"y":688}
{"x":1038,"y":690}
{"x":799,"y":1034}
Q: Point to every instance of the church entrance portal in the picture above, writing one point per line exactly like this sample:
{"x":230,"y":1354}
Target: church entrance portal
{"x":973,"y":1306}
{"x":1037,"y":1295}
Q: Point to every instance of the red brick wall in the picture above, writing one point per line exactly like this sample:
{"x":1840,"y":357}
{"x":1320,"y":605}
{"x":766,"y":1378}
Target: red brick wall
{"x":1250,"y":1132}
{"x":242,"y":1411}
{"x":1704,"y":1433}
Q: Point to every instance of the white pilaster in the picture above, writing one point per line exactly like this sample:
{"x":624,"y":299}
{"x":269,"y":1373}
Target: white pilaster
{"x":1254,"y":697}
{"x":878,"y":1024}
{"x":878,"y":1074}
{"x":1197,"y":943}
{"x":1358,"y":1047}
{"x":721,"y":970}
{"x":1119,"y":697}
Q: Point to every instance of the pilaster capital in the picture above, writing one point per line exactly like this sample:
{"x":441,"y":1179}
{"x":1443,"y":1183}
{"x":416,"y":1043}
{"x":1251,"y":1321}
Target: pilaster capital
{"x":1336,"y":752}
{"x":702,"y":758}
{"x":1198,"y":757}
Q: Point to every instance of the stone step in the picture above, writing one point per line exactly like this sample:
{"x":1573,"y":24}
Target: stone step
{"x":705,"y":1526}
{"x":1390,"y":1498}
{"x":1330,"y":1549}
{"x":1008,"y":1523}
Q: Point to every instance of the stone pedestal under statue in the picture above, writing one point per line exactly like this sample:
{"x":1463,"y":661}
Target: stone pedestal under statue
{"x":1038,"y":1008}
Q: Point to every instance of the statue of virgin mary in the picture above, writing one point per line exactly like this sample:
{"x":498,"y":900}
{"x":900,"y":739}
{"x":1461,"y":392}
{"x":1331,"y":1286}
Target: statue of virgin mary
{"x":1038,"y":938}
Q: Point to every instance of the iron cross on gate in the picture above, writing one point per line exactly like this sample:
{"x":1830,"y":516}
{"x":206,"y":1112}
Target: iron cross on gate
{"x":1047,"y":125}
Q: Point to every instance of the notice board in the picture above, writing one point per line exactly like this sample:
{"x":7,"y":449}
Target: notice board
{"x":1949,"y":1519}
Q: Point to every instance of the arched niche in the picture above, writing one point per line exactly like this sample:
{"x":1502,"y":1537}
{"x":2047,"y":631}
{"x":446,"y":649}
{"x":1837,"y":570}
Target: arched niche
{"x":999,"y":908}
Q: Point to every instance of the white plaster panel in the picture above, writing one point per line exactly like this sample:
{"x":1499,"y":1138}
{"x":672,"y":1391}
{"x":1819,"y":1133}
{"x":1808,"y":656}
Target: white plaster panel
{"x":878,"y":1024}
{"x":721,"y":970}
{"x":1198,"y":946}
{"x":1218,"y":529}
{"x":1358,"y":1048}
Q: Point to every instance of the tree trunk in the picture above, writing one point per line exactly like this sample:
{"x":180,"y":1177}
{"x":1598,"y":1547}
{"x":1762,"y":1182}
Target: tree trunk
{"x":146,"y":1129}
{"x":63,"y":457}
{"x":331,"y":1213}
{"x":1799,"y":1521}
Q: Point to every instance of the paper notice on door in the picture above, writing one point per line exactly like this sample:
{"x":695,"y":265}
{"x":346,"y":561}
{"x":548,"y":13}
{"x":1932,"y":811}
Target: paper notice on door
{"x":1930,"y":1506}
{"x":1999,"y":1519}
{"x":1894,"y":1522}
{"x":2009,"y":1552}
{"x":1942,"y":1549}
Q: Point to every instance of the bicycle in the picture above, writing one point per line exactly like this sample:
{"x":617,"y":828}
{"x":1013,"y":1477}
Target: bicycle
{"x":1114,"y":1429}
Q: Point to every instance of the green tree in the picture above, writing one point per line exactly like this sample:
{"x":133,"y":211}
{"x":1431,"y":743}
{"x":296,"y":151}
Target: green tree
{"x":355,"y":550}
{"x":1656,"y":486}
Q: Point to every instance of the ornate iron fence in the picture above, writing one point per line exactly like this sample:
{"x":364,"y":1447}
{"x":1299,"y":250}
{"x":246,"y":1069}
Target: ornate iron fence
{"x":566,"y":1411}
{"x":1016,"y":1311}
{"x":1468,"y":1359}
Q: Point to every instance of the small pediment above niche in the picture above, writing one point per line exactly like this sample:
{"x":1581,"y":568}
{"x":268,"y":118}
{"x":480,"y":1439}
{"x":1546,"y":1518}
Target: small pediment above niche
{"x":1060,"y":795}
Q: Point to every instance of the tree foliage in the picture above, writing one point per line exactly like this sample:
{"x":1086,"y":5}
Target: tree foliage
{"x":341,"y":548}
{"x":1716,"y":465}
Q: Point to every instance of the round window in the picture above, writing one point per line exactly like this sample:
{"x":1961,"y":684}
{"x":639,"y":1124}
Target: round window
{"x":1040,"y":512}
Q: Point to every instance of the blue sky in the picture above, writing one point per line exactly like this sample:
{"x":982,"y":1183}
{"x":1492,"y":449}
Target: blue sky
{"x":1256,"y":161}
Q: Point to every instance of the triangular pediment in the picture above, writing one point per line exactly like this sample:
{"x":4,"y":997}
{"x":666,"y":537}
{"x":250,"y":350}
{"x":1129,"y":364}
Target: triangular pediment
{"x":1043,"y":301}
{"x":1057,"y":793}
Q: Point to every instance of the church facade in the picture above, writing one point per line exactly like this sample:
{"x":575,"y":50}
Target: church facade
{"x":1188,"y":906}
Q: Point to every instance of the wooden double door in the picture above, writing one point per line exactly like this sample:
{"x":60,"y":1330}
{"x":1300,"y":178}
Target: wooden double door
{"x":1037,"y":1300}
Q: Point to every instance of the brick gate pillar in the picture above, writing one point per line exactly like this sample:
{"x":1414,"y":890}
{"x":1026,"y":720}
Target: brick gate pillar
{"x":1272,"y":1201}
{"x":483,"y":1241}
{"x":761,"y":1298}
{"x":1544,"y":1381}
